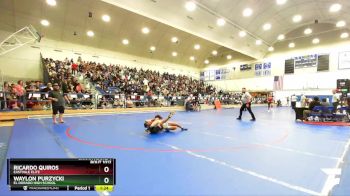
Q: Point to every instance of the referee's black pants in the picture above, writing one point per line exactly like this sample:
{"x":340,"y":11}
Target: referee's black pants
{"x":248,"y":108}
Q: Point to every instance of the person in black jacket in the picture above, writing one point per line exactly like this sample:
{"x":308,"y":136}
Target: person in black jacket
{"x":314,"y":102}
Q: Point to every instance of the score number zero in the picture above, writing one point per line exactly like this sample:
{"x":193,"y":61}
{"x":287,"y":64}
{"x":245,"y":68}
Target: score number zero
{"x":106,"y":170}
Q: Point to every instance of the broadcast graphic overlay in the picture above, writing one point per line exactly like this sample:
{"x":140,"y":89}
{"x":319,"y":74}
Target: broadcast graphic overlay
{"x":83,"y":174}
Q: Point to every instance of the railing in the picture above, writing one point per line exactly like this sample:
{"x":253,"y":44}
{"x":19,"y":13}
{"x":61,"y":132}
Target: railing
{"x":39,"y":101}
{"x":44,"y":69}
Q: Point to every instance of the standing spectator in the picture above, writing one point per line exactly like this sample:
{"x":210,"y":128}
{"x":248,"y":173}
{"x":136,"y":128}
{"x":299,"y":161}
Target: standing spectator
{"x":335,"y":100}
{"x":74,"y":68}
{"x":20,"y":93}
{"x":4,"y":95}
{"x":269,"y":102}
{"x":293,"y":100}
{"x":303,"y":100}
{"x":57,"y":101}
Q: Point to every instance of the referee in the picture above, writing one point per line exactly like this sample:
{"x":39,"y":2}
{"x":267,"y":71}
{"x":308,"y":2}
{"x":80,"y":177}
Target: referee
{"x":246,"y":103}
{"x":57,"y":101}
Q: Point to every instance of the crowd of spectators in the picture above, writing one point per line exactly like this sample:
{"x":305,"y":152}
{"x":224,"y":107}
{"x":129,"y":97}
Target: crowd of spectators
{"x":13,"y":95}
{"x":145,"y":85}
{"x":120,"y":86}
{"x":122,"y":79}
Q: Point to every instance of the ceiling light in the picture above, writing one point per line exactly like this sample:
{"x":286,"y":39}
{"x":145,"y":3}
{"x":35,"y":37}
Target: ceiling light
{"x":297,"y":18}
{"x":90,"y":33}
{"x":214,"y":52}
{"x":106,"y":18}
{"x":335,"y":7}
{"x":228,"y":57}
{"x":271,"y":49}
{"x":281,"y":37}
{"x":344,"y":35}
{"x":206,"y":61}
{"x":258,"y":42}
{"x":221,"y":22}
{"x":145,"y":30}
{"x":267,"y":26}
{"x":341,"y":23}
{"x":291,"y":45}
{"x":197,"y":46}
{"x":174,"y":53}
{"x":247,"y":12}
{"x":45,"y":23}
{"x":190,"y":6}
{"x":192,"y":58}
{"x":281,"y":2}
{"x":307,"y":31}
{"x":51,"y":2}
{"x":125,"y":41}
{"x":152,"y":48}
{"x":316,"y":41}
{"x":242,"y":33}
{"x":174,"y":39}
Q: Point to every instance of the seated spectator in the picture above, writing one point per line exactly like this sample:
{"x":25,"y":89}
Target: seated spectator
{"x":48,"y":88}
{"x":325,"y":103}
{"x":30,"y":103}
{"x":86,"y":103}
{"x":313,"y":103}
{"x":118,"y":103}
{"x":157,"y":103}
{"x":129,"y":103}
{"x":13,"y":103}
{"x":103,"y":103}
{"x":189,"y":106}
{"x":74,"y":103}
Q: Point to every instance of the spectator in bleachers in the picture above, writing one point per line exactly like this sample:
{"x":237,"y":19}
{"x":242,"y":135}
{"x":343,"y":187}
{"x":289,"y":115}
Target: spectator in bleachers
{"x":20,"y":92}
{"x":48,"y":88}
{"x":4,"y":95}
{"x":129,"y":103}
{"x":325,"y":103}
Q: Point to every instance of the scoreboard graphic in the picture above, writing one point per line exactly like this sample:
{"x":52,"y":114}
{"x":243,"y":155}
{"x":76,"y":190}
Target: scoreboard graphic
{"x":82,"y":174}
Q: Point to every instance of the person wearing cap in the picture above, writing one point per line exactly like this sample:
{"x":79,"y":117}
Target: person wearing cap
{"x":57,"y":101}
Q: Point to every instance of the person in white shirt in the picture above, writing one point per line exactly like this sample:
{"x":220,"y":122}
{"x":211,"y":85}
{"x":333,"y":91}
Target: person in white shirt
{"x":293,"y":101}
{"x":246,"y":103}
{"x":335,"y":100}
{"x":303,"y":100}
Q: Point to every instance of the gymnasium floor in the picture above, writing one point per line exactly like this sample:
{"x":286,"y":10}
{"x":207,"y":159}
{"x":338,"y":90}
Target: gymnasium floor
{"x":218,"y":155}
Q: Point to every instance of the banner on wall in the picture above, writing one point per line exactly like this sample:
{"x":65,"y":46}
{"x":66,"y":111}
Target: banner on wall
{"x":212,"y":75}
{"x":305,"y":61}
{"x":263,"y":69}
{"x":258,"y":69}
{"x":267,"y":69}
{"x":206,"y":75}
{"x":344,"y":60}
{"x":225,"y":73}
{"x":201,"y":76}
{"x":245,"y":67}
{"x":217,"y":74}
